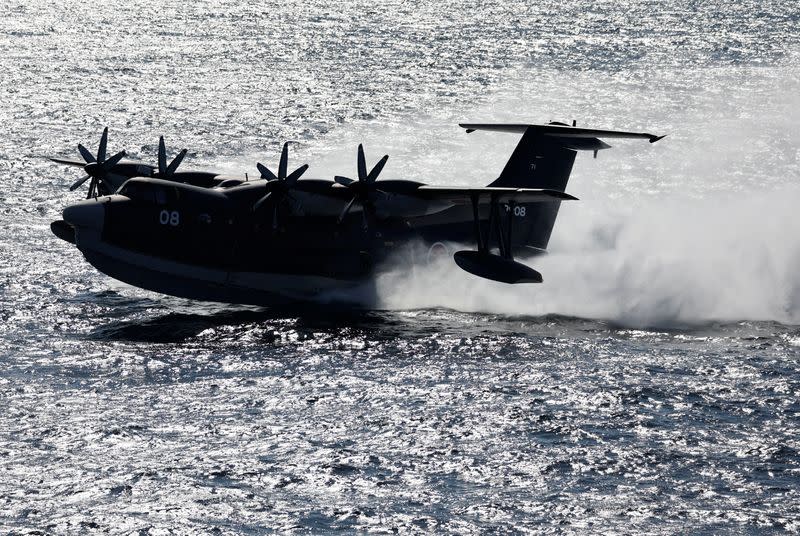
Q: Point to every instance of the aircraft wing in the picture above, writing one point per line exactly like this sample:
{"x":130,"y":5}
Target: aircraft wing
{"x":485,"y":195}
{"x":412,"y":199}
{"x":69,"y":161}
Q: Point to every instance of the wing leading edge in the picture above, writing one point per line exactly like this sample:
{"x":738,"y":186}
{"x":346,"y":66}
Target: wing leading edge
{"x":488,"y":194}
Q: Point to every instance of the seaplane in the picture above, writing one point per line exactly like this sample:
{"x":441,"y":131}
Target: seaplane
{"x":279,"y":238}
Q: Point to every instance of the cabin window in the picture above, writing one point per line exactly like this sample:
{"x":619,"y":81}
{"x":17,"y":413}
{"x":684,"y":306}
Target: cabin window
{"x":161,"y":196}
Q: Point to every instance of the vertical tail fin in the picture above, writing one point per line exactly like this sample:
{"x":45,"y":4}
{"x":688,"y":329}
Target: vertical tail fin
{"x":536,"y":163}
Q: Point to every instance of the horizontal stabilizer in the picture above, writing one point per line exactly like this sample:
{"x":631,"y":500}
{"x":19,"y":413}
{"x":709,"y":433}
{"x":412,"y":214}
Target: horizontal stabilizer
{"x":558,"y":131}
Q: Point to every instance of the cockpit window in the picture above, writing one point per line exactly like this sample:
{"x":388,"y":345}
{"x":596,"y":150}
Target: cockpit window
{"x":137,"y":191}
{"x":150,"y":193}
{"x":166,"y":195}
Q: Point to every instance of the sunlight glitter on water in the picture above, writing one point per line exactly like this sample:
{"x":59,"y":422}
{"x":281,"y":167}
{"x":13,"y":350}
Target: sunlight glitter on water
{"x":670,"y":407}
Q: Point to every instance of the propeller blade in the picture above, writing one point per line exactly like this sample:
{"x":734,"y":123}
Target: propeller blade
{"x":344,"y":181}
{"x":89,"y":157}
{"x":77,"y":184}
{"x":113,"y":161}
{"x":175,"y":163}
{"x":362,"y":163}
{"x":296,"y":174}
{"x":284,"y":161}
{"x":162,"y":157}
{"x":261,"y":201}
{"x":101,"y":151}
{"x":92,"y":188}
{"x":97,"y":167}
{"x":377,"y":169}
{"x":275,"y":216}
{"x":266,"y":173}
{"x":347,"y":209}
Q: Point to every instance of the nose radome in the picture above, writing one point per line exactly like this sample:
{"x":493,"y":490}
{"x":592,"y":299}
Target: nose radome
{"x":89,"y":214}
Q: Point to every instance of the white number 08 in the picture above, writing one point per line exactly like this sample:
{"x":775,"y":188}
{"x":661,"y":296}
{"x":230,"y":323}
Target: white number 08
{"x":169,"y":218}
{"x":518,"y":211}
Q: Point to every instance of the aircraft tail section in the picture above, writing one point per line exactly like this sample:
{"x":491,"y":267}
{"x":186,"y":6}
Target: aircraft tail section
{"x":537,"y":163}
{"x":543,"y":158}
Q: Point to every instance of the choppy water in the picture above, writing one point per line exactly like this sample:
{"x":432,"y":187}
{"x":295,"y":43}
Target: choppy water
{"x":649,"y":386}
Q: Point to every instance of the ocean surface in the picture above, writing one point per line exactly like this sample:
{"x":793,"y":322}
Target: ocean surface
{"x":649,"y":386}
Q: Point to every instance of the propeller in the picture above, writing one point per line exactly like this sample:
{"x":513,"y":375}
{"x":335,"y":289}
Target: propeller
{"x":364,"y":189}
{"x":278,"y":186}
{"x":165,"y":171}
{"x":97,"y":168}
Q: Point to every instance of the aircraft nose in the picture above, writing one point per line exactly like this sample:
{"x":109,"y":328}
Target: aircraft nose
{"x":88,"y":214}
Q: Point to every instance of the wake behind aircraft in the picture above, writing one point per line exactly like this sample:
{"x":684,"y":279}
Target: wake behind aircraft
{"x":281,"y":237}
